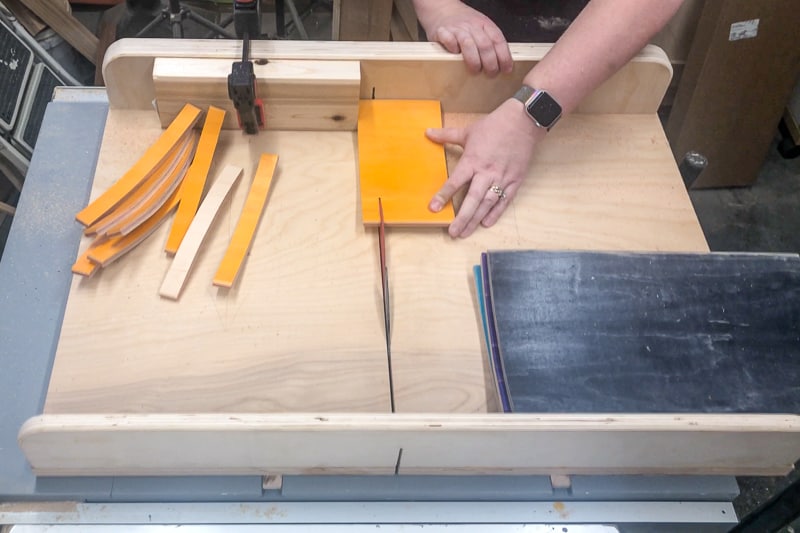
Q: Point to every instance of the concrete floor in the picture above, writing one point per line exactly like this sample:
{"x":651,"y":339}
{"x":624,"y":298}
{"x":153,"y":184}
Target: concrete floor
{"x":764,"y":217}
{"x":761,"y":218}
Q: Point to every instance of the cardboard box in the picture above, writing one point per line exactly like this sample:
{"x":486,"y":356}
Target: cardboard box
{"x":742,"y":67}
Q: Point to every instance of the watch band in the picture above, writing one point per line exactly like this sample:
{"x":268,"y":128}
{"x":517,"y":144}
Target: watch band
{"x":524,"y":93}
{"x":539,"y":105}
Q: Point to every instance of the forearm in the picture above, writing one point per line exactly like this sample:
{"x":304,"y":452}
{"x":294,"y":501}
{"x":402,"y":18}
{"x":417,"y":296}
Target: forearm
{"x":602,"y":39}
{"x":428,"y":10}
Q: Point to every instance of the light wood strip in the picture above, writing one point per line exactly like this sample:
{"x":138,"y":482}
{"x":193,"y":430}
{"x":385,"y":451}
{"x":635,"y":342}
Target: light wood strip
{"x":142,"y":169}
{"x":114,"y":248}
{"x":231,"y":264}
{"x":399,"y":164}
{"x":195,"y":181}
{"x":413,"y":70}
{"x":66,"y":25}
{"x":297,"y":95}
{"x":159,"y":195}
{"x":240,"y":443}
{"x":184,"y":258}
{"x":7,"y":209}
{"x":142,"y":193}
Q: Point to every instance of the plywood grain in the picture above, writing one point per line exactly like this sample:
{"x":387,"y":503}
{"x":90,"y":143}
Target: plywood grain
{"x":301,"y":332}
{"x":309,"y":312}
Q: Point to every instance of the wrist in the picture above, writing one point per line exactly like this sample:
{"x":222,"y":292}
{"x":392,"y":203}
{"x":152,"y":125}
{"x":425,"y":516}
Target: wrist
{"x":514,"y":115}
{"x":428,"y":11}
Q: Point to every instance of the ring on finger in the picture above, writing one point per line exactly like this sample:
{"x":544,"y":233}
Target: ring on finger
{"x":498,"y":190}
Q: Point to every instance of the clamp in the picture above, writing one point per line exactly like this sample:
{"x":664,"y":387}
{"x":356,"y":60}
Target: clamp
{"x":242,"y":87}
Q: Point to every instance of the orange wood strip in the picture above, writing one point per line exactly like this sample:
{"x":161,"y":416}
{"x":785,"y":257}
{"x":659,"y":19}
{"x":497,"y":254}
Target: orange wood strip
{"x":139,"y":172}
{"x":114,"y":248}
{"x":84,"y":266}
{"x":195,"y":181}
{"x":399,"y":164}
{"x":159,"y":196}
{"x":142,"y":193}
{"x":242,"y":238}
{"x":184,"y":258}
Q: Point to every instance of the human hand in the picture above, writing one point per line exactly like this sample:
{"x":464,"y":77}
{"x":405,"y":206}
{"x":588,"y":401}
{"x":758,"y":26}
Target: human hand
{"x":461,"y":29}
{"x":496,"y":159}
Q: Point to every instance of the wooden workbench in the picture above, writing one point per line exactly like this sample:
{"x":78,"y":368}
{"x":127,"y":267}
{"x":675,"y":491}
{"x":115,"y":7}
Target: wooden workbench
{"x":287,"y":372}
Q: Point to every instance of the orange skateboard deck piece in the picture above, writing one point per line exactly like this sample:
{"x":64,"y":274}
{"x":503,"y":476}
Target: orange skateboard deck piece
{"x":112,"y":249}
{"x":142,"y":169}
{"x":242,"y":238}
{"x":84,"y":266}
{"x":399,"y":164}
{"x":143,"y":192}
{"x":195,"y":181}
{"x":158,"y":196}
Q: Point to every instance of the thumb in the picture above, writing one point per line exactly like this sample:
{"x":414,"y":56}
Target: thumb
{"x":447,"y":135}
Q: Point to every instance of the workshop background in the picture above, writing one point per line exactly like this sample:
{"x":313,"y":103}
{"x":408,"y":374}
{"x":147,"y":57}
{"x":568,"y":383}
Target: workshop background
{"x":734,"y":97}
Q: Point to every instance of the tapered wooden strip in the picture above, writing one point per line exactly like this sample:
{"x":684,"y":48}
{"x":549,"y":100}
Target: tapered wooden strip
{"x":116,"y":247}
{"x":398,"y":164}
{"x":158,"y":197}
{"x":182,"y":263}
{"x":142,"y":193}
{"x":195,"y":181}
{"x":142,"y":169}
{"x":242,"y":238}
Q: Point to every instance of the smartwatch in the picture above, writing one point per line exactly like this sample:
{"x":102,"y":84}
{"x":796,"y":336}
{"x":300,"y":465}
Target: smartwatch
{"x":539,"y":106}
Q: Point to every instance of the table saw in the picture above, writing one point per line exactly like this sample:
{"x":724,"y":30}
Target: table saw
{"x":276,"y":392}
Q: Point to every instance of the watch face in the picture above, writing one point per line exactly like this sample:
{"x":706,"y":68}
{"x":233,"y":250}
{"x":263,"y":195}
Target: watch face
{"x":544,"y":109}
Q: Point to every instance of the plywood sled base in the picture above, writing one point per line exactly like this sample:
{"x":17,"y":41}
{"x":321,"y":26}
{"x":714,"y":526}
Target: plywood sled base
{"x":444,"y":444}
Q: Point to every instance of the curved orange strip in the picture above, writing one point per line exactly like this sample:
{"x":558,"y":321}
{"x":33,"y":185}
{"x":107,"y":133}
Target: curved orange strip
{"x":84,"y":266}
{"x":114,"y":248}
{"x":142,"y":193}
{"x":195,"y":181}
{"x":159,"y":196}
{"x":246,"y":226}
{"x":139,"y":172}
